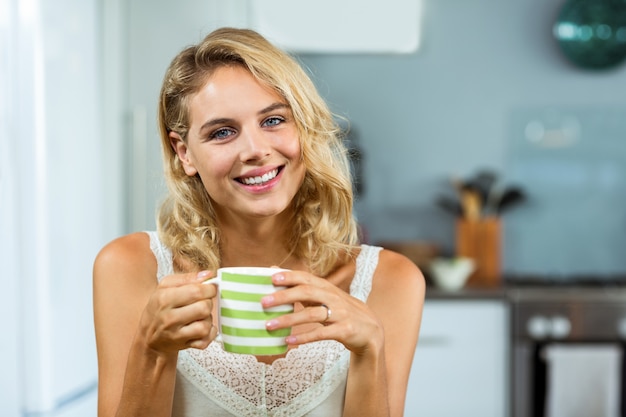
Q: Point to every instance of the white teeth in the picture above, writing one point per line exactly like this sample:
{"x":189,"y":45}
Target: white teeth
{"x":260,"y":180}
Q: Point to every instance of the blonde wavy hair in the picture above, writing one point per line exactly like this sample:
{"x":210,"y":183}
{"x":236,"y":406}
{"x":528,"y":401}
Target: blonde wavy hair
{"x":324,"y":230}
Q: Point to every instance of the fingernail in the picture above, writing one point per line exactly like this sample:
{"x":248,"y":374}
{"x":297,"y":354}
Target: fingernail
{"x":279,"y":277}
{"x":268,"y":299}
{"x":271,"y":324}
{"x":290,"y":340}
{"x":203,"y":275}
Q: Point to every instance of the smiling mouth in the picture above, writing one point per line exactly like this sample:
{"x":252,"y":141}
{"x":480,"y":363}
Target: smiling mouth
{"x":259,"y":180}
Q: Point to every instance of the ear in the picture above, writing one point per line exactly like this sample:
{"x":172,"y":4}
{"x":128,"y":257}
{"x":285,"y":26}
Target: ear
{"x":182,"y":150}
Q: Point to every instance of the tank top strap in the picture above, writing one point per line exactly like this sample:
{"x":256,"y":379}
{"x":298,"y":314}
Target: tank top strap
{"x":163,"y":255}
{"x":366,"y":263}
{"x":361,"y":285}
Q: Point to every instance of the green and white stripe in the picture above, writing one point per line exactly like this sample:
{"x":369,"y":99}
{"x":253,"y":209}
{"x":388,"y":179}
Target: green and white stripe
{"x":243,"y":318}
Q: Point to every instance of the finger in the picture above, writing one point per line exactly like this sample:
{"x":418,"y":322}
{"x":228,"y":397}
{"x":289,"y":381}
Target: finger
{"x":200,"y":310}
{"x":314,"y":335}
{"x":290,"y":278}
{"x":187,"y":323}
{"x":175,"y":327}
{"x":328,"y":316}
{"x":301,"y":287}
{"x":177,"y":280}
{"x":302,"y":279}
{"x":316,"y":314}
{"x":307,"y":295}
{"x":203,"y":343}
{"x":174,"y":297}
{"x":195,"y":331}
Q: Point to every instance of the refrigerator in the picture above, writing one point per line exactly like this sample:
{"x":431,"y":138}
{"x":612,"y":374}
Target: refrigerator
{"x":59,"y":204}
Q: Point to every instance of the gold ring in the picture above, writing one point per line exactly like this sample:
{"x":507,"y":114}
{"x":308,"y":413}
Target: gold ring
{"x":329,"y":313}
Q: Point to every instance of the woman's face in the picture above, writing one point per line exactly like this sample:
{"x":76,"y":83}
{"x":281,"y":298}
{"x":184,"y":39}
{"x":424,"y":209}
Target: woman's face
{"x":243,"y":143}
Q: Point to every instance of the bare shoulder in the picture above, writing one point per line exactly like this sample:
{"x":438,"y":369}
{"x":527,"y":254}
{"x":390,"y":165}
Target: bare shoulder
{"x":398,"y":289}
{"x":396,"y":272}
{"x":124,"y":257}
{"x":124,"y":277}
{"x":125,"y":248}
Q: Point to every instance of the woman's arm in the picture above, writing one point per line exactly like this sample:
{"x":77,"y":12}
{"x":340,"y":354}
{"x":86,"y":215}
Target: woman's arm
{"x":397,"y":300}
{"x":140,"y":327}
{"x":381,"y":334}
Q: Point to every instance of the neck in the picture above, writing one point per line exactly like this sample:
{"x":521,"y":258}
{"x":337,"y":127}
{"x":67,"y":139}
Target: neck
{"x":256,"y":243}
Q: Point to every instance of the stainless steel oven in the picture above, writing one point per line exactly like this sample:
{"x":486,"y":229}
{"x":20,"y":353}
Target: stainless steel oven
{"x":546,"y":315}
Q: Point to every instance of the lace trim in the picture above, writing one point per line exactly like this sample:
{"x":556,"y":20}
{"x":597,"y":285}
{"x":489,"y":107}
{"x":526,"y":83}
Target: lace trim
{"x":366,"y":263}
{"x":289,"y":387}
{"x":163,"y":255}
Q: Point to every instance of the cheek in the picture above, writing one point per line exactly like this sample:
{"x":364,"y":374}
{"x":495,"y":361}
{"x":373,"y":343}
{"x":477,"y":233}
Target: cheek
{"x":214,"y":167}
{"x":292,"y":150}
{"x":294,"y":153}
{"x":299,"y":170}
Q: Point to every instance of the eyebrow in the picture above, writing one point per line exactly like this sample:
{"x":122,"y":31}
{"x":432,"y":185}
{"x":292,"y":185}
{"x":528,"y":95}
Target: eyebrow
{"x":224,"y":120}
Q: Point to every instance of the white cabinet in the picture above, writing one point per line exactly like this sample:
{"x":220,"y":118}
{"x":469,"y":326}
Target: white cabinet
{"x":328,"y":26}
{"x":348,"y":26}
{"x":462,"y":360}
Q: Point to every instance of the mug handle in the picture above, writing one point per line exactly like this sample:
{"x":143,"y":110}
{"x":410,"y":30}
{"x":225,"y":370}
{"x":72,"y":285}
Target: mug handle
{"x":214,"y":280}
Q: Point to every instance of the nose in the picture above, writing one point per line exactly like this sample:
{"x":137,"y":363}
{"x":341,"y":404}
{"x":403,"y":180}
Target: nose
{"x":255,"y":145}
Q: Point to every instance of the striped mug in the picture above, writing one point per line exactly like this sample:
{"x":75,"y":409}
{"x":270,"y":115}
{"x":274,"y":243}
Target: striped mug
{"x":242,"y":318}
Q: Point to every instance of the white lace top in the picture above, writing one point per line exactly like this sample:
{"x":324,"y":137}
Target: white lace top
{"x":310,"y":381}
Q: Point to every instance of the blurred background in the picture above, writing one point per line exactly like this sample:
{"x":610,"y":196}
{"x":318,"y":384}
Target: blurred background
{"x":433,"y":92}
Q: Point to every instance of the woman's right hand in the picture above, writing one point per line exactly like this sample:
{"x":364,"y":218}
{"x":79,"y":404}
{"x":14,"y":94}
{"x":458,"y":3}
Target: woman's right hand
{"x":178,"y":314}
{"x":141,"y":325}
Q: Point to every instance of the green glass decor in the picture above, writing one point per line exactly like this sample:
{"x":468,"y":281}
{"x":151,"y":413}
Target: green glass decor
{"x":592,"y":33}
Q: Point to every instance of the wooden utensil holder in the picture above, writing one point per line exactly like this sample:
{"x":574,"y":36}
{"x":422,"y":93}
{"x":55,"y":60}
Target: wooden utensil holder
{"x":481,"y":241}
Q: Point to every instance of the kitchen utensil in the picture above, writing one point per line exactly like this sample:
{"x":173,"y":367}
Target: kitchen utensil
{"x":484,"y":181}
{"x":510,"y":197}
{"x":472,"y":204}
{"x":451,"y":206}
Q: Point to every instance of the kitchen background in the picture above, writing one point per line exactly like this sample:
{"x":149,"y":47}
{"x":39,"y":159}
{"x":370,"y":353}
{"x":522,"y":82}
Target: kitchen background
{"x":487,"y":87}
{"x":485,"y":73}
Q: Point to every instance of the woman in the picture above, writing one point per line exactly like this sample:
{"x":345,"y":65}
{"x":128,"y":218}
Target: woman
{"x":258,"y":176}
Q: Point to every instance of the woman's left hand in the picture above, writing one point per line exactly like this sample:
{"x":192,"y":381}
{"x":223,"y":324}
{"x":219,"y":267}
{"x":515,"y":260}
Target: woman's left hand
{"x":341,"y":317}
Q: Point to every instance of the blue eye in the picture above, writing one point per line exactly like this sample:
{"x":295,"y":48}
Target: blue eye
{"x":273,"y":121}
{"x":222,"y":133}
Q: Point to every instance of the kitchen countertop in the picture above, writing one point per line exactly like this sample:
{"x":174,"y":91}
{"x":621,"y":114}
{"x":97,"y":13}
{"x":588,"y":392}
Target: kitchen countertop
{"x":466,"y":293}
{"x":525,"y":293}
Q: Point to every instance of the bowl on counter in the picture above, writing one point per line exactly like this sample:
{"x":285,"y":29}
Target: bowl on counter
{"x":451,"y":274}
